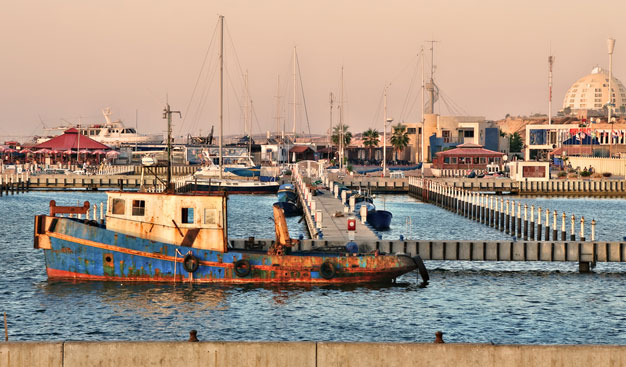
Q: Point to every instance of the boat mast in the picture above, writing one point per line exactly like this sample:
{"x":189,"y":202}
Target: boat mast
{"x":294,"y":94}
{"x":330,"y":130}
{"x":167,"y":114}
{"x":423,"y":121}
{"x":221,"y":57}
{"x":247,"y":120}
{"x":341,"y":127}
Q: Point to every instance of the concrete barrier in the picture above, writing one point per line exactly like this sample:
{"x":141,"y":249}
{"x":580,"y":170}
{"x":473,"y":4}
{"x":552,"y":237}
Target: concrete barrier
{"x":211,"y":354}
{"x":27,"y":354}
{"x":436,"y":355}
{"x":306,"y":354}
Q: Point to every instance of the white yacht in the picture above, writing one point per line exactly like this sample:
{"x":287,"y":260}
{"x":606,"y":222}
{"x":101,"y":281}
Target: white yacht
{"x":113,"y":133}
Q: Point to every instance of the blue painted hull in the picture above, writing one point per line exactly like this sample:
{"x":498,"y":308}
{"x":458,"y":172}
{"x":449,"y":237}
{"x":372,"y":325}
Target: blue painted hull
{"x":244,"y":172}
{"x":84,"y":252}
{"x":290,"y":209}
{"x":379,"y":219}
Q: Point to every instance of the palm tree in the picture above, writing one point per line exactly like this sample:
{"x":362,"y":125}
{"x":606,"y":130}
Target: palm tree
{"x":399,"y":138}
{"x":370,"y":140}
{"x":347,"y":135}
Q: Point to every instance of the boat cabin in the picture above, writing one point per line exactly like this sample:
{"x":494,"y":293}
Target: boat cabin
{"x":197,"y":221}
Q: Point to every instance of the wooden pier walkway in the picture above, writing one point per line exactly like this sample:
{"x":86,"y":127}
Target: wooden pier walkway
{"x":326,"y":217}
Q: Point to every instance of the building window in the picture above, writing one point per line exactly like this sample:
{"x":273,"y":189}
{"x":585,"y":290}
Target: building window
{"x":468,"y":133}
{"x":453,"y":160}
{"x":139,"y":207}
{"x":483,"y":160}
{"x":445,"y":134}
{"x":117,"y":206}
{"x":410,"y":130}
{"x":187,"y":215}
{"x":476,"y":160}
{"x":497,"y":160}
{"x":446,"y":160}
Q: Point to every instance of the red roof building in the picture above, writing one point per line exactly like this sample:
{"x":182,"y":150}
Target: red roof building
{"x":71,"y":140}
{"x":467,"y":156}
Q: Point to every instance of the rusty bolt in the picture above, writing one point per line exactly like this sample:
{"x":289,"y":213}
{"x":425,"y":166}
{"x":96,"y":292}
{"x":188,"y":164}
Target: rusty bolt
{"x":193,"y":336}
{"x":439,"y":337}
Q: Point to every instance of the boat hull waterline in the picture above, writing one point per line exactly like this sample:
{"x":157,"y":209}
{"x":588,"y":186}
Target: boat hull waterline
{"x":79,"y":251}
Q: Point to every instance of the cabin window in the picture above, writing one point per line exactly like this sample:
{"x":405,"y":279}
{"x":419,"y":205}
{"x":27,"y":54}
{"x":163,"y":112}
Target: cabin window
{"x":117,"y":206}
{"x":139,"y":207}
{"x":187,"y":215}
{"x":210,"y":216}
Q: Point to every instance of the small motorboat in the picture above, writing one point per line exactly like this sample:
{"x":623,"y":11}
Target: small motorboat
{"x":288,"y":200}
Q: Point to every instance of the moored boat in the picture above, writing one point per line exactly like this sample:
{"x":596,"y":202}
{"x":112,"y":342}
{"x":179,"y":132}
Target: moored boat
{"x":166,"y":237}
{"x":288,"y":200}
{"x":379,"y":219}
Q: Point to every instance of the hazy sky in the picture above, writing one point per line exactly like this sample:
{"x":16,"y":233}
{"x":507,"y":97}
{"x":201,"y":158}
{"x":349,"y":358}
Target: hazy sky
{"x":68,"y":59}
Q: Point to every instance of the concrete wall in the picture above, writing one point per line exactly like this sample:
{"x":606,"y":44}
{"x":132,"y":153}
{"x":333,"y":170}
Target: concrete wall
{"x":304,"y":354}
{"x":616,"y":166}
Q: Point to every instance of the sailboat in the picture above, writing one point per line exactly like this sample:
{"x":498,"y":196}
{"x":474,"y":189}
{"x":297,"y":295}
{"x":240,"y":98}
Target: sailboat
{"x":212,"y":178}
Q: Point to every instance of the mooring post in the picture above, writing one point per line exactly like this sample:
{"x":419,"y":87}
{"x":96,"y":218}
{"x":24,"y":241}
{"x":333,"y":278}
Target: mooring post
{"x":101,"y":213}
{"x":525,"y":222}
{"x":563,"y":233}
{"x":519,"y":219}
{"x":513,"y":217}
{"x":582,"y":229}
{"x":532,"y":223}
{"x":501,"y":214}
{"x":483,"y":205}
{"x":555,"y":230}
{"x":507,"y":222}
{"x":539,"y":233}
{"x":547,"y":224}
{"x":573,"y":228}
{"x":593,"y":230}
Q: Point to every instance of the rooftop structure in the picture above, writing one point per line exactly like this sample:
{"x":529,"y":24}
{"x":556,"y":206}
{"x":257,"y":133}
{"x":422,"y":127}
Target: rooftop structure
{"x":591,"y":92}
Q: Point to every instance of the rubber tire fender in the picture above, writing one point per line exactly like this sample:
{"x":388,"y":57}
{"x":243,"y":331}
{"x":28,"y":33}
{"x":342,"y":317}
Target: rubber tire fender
{"x":327,"y":270}
{"x":242,"y":268}
{"x":421,"y":268}
{"x":190,"y":263}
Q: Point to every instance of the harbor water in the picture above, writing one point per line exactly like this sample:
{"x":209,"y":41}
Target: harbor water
{"x":478,"y":302}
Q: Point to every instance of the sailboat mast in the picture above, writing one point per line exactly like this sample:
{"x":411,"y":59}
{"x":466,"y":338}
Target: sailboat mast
{"x":423,"y":121}
{"x":221,"y":57}
{"x":330,"y":129}
{"x":294,"y":94}
{"x":167,"y":114}
{"x":341,"y":127}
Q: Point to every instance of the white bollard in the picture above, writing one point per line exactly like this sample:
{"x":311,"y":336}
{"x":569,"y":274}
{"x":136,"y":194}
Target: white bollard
{"x":363,"y":213}
{"x":352,"y":203}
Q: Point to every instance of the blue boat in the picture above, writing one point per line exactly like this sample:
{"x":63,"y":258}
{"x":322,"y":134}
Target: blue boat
{"x":291,"y":209}
{"x":379,"y":219}
{"x":288,"y":200}
{"x":155,"y":237}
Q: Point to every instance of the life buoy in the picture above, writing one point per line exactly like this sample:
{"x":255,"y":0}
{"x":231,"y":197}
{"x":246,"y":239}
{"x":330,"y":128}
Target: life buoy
{"x":421,"y":268}
{"x":190,"y":263}
{"x":242,"y":268}
{"x":327,"y":270}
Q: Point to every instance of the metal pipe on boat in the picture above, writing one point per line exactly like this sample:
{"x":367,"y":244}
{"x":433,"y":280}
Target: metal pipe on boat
{"x":547,"y":224}
{"x":582,"y":229}
{"x":573,"y":228}
{"x":555,"y":231}
{"x":532,"y":223}
{"x":525,"y":222}
{"x":563,"y":233}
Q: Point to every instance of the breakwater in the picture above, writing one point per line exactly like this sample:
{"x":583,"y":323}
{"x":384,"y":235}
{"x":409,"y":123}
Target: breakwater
{"x":304,"y":354}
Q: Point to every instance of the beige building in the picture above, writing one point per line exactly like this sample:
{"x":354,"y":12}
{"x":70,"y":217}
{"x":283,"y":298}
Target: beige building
{"x":591,"y":92}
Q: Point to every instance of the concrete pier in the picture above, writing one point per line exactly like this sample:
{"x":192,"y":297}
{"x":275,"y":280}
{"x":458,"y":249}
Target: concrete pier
{"x":327,"y":216}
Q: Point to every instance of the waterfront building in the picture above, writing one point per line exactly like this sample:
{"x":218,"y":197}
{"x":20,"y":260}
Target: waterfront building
{"x":467,"y":156}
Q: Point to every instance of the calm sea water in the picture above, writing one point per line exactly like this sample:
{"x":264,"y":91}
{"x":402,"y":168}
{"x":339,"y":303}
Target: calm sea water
{"x":470,"y":301}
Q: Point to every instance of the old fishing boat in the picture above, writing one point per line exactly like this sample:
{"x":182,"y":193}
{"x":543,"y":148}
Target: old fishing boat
{"x":169,"y":237}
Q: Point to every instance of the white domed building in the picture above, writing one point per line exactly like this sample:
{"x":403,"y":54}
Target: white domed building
{"x":591,"y":92}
